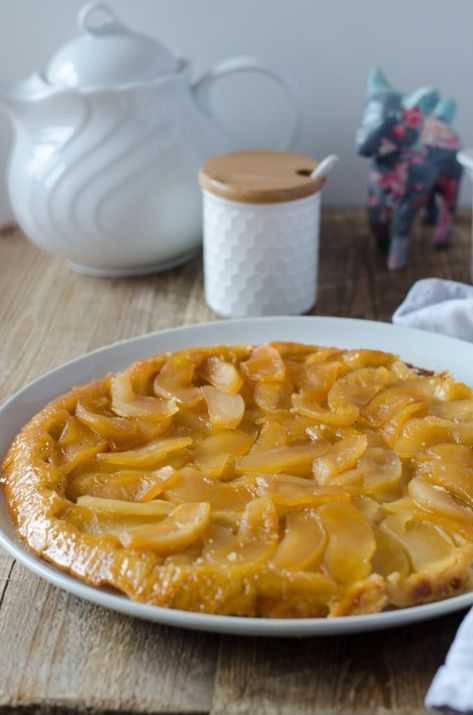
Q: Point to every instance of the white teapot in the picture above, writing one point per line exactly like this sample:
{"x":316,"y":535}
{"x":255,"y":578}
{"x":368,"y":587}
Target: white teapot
{"x":108,"y":142}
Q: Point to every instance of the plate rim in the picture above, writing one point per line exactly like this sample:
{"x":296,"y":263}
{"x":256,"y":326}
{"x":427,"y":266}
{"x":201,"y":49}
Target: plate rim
{"x":238,"y":625}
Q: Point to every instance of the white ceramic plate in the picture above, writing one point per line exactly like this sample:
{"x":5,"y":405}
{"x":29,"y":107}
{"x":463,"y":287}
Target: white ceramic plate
{"x":420,"y":348}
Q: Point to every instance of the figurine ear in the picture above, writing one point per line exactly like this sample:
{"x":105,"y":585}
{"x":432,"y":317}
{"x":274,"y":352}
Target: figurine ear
{"x":424,"y":99}
{"x":377,"y":82}
{"x":445,"y":110}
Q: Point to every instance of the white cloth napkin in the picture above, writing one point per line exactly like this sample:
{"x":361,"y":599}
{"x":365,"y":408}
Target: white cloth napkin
{"x":440,"y":306}
{"x":452,"y":687}
{"x":446,"y":307}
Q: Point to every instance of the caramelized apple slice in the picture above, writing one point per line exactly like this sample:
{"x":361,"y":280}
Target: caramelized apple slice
{"x":368,"y":358}
{"x":118,"y":508}
{"x":126,"y":403}
{"x":273,"y":397}
{"x":429,"y":547}
{"x":193,"y":486}
{"x":401,"y":370}
{"x":351,"y":542}
{"x":341,"y":456}
{"x":148,"y":456}
{"x":316,"y":379}
{"x":450,"y":466}
{"x":113,"y":429}
{"x":389,"y":556}
{"x":184,"y":396}
{"x":403,"y":505}
{"x":222,"y":375}
{"x":265,"y":364}
{"x":193,"y":423}
{"x":76,"y":445}
{"x":272,"y":434}
{"x":295,"y":459}
{"x":300,"y":351}
{"x":420,"y":433}
{"x":454,"y":410}
{"x":450,"y":389}
{"x":464,"y":432}
{"x":382,"y":470}
{"x":215,"y":453}
{"x":351,"y":480}
{"x":303,"y":542}
{"x":225,"y":411}
{"x":373,"y":511}
{"x":256,"y":538}
{"x":390,"y":401}
{"x":394,"y":425}
{"x":178,"y":370}
{"x":287,"y":490}
{"x":322,"y":354}
{"x":296,"y":428}
{"x":173,"y":382}
{"x":128,"y":485}
{"x":457,"y":455}
{"x":150,"y":429}
{"x":184,"y":525}
{"x":379,"y":471}
{"x":330,"y":432}
{"x":343,"y":416}
{"x":441,"y":504}
{"x":358,"y":387}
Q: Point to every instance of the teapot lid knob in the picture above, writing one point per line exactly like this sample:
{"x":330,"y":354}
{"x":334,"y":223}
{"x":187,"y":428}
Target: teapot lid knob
{"x":108,"y":53}
{"x":98,"y":17}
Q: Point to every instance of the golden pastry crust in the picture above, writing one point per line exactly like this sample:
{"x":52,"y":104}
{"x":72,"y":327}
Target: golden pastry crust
{"x":283,"y":480}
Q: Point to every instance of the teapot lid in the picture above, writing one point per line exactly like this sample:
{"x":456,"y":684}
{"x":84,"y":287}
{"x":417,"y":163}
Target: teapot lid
{"x":107,"y":52}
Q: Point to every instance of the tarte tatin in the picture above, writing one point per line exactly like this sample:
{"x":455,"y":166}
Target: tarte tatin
{"x":280,"y":480}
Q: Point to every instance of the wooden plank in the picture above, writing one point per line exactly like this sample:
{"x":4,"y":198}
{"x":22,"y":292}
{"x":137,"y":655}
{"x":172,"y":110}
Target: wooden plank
{"x":371,"y":674}
{"x":6,"y":568}
{"x":344,"y":278}
{"x":73,"y":655}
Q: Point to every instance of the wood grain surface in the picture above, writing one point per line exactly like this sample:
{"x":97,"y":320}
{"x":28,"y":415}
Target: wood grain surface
{"x":62,"y":655}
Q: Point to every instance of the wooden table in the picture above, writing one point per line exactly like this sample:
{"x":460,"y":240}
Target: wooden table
{"x":60,"y":654}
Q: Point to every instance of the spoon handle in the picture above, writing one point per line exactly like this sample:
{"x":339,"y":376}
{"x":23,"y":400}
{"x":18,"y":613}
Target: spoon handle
{"x":325,"y":166}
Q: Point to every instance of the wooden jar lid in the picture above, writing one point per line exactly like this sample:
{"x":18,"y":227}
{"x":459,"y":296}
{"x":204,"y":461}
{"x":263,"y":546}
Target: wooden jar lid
{"x":260,"y":177}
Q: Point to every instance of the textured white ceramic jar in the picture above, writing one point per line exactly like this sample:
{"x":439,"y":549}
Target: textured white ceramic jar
{"x":260,"y":258}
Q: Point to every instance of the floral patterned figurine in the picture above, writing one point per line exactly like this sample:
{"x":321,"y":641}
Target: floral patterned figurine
{"x":413,"y":149}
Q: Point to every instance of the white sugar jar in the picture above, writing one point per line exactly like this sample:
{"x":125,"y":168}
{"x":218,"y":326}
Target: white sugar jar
{"x":261,"y":233}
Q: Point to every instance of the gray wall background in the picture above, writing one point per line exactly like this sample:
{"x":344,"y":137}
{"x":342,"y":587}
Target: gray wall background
{"x":325,"y":46}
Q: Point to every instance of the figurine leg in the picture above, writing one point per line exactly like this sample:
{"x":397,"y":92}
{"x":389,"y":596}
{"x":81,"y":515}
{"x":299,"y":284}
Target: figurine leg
{"x":431,"y":211}
{"x":404,"y":216}
{"x":397,"y":256}
{"x":443,"y":229}
{"x":380,"y":226}
{"x":448,"y":194}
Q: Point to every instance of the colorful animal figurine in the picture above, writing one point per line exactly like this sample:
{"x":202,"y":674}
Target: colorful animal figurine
{"x":413,"y":149}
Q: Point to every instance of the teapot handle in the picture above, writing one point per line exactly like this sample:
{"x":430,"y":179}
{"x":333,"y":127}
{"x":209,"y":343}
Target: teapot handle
{"x":234,"y":65}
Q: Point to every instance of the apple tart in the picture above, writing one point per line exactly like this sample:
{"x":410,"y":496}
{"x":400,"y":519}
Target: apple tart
{"x":279,"y":480}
